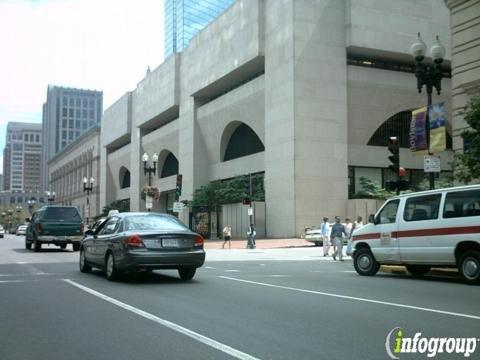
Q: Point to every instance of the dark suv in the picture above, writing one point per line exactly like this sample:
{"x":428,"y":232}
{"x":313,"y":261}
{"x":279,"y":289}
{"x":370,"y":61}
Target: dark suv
{"x":58,"y":225}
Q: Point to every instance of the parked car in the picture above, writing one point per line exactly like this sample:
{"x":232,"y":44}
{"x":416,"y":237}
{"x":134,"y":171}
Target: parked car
{"x":53,"y":224}
{"x":2,"y":231}
{"x":438,"y":228}
{"x":133,"y":241}
{"x":21,"y":230}
{"x":314,"y":235}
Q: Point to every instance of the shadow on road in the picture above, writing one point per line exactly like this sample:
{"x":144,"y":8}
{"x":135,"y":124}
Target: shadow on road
{"x":47,"y":250}
{"x":145,"y":278}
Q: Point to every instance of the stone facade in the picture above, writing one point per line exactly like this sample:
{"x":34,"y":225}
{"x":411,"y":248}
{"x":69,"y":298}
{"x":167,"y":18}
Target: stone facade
{"x":281,"y":68}
{"x":68,"y":168}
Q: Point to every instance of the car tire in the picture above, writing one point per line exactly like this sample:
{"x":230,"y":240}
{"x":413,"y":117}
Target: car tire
{"x":76,"y":246}
{"x":418,"y":270}
{"x":111,"y":268}
{"x":318,"y":243}
{"x":187,"y":273}
{"x":469,"y":267}
{"x":364,"y":262}
{"x":37,"y":245}
{"x":84,"y":266}
{"x":63,"y":246}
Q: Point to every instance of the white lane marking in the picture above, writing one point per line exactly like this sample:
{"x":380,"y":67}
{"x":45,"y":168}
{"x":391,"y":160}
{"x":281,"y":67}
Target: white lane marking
{"x":12,"y":281}
{"x":41,"y":273}
{"x":279,"y":276}
{"x":21,"y":262}
{"x":475,"y":317}
{"x":236,"y":271}
{"x":192,"y":334}
{"x":210,"y":267}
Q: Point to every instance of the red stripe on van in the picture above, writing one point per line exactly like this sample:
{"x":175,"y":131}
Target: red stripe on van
{"x":438,"y":232}
{"x":423,"y":232}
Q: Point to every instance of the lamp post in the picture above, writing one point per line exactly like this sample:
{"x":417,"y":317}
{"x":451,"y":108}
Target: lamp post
{"x":149,"y":169}
{"x":88,"y":188}
{"x":430,"y":76}
{"x":31,"y":205}
{"x":50,"y":196}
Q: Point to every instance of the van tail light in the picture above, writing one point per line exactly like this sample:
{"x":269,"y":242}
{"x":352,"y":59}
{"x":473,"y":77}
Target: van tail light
{"x":39,"y":228}
{"x":199,"y":241}
{"x":82,"y":227}
{"x":134,"y":241}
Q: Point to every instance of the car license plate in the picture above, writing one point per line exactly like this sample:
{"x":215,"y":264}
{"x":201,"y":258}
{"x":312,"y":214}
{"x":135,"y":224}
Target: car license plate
{"x":169,"y":243}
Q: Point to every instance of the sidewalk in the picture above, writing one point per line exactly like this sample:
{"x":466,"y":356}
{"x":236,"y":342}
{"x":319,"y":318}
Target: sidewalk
{"x":261,"y":244}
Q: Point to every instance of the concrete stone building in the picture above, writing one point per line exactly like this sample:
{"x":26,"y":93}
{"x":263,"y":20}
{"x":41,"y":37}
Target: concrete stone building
{"x":70,"y":166}
{"x":305,"y":92}
{"x":465,"y":28}
{"x":22,"y":157}
{"x":67,"y":114}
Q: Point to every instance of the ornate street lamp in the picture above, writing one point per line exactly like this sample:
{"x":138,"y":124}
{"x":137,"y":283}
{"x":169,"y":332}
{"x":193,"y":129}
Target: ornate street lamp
{"x":430,"y":76}
{"x":147,"y":169}
{"x":31,"y":205}
{"x":88,"y":188}
{"x":50,"y":196}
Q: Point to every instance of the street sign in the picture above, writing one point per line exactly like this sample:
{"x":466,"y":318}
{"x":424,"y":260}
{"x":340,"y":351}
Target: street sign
{"x":250,"y":211}
{"x":431,"y":163}
{"x":177,"y":206}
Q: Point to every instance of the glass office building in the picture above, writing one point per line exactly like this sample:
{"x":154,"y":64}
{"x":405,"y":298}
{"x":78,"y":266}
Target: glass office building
{"x":185,"y":18}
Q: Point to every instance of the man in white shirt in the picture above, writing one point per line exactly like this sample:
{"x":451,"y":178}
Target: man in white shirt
{"x":325,"y":231}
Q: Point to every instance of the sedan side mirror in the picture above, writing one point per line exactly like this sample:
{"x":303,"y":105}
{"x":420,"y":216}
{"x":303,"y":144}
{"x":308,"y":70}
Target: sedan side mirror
{"x":371,"y":219}
{"x":89,"y":233}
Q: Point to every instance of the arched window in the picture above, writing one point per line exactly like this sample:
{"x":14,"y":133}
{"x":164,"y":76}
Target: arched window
{"x":243,"y":141}
{"x":124,"y":178}
{"x":398,"y":125}
{"x":170,"y":166}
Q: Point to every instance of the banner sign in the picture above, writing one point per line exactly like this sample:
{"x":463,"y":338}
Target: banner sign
{"x":436,"y":120}
{"x":418,"y":131}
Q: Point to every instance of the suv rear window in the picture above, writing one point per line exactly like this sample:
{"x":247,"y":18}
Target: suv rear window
{"x":61,"y":213}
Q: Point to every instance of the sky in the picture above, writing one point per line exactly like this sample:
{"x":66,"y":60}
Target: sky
{"x":102,"y":45}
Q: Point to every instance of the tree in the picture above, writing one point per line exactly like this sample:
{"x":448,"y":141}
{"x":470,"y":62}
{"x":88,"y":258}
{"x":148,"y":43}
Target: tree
{"x":466,"y":166}
{"x":120,"y":205}
{"x":372,"y":190}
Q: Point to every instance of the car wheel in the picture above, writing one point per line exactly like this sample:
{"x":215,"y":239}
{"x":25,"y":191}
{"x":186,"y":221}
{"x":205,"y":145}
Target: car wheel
{"x":37,"y":245}
{"x":469,"y":267}
{"x":111,"y":268}
{"x":364,"y":262}
{"x":28,"y":244}
{"x":318,"y":243}
{"x":63,"y":246}
{"x":418,"y":270}
{"x":84,"y":266}
{"x":76,"y":246}
{"x":187,"y":273}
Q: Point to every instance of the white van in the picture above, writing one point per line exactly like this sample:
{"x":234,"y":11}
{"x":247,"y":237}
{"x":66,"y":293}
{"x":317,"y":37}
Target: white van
{"x":437,"y":228}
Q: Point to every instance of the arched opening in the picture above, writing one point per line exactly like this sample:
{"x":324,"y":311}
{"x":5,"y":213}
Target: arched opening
{"x":170,"y":166}
{"x":124,"y":176}
{"x":243,"y":141}
{"x":398,"y":125}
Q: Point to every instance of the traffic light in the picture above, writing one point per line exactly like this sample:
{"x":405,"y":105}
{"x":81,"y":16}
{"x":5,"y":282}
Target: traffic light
{"x":393,"y":147}
{"x":178,"y":188}
{"x":246,"y":201}
{"x":246,"y":185}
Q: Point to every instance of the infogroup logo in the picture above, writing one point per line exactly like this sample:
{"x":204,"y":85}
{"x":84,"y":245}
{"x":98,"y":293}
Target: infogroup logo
{"x":397,"y":343}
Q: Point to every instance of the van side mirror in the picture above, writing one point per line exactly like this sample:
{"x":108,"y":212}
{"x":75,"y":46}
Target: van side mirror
{"x":371,"y":219}
{"x":27,"y":220}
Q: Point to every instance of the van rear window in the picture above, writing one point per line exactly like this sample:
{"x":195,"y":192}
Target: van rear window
{"x":462,"y":204}
{"x":62,"y":213}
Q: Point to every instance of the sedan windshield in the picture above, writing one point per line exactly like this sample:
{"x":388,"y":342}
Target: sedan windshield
{"x":153,"y":222}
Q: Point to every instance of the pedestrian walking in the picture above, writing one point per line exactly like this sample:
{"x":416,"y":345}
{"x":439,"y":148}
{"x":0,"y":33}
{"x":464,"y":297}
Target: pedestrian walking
{"x":337,"y":233}
{"x":325,"y":231}
{"x":349,"y":227}
{"x":251,"y":234}
{"x":227,"y":234}
{"x":356,"y":225}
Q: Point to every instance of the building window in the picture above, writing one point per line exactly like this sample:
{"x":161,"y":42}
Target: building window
{"x":124,"y":178}
{"x":170,"y":166}
{"x":64,"y":123}
{"x":37,"y":138}
{"x":25,"y":138}
{"x":64,"y":111}
{"x":64,"y":135}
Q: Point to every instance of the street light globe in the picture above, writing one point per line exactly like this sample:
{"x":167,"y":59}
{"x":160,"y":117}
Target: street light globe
{"x":85,"y":180}
{"x":437,"y":51}
{"x":418,"y":49}
{"x":154,"y":157}
{"x":92,"y":180}
{"x":145,"y":157}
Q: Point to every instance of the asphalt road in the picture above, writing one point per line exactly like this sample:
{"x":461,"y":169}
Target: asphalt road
{"x":269,"y":304}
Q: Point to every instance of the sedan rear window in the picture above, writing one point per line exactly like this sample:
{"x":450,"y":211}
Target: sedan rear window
{"x":153,"y":222}
{"x":61,"y":213}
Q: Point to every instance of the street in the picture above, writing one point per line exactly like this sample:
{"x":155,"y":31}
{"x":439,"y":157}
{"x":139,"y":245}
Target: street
{"x":262,"y":304}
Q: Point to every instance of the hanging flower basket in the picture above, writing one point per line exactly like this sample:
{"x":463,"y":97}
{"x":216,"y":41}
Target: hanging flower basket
{"x":152,"y":192}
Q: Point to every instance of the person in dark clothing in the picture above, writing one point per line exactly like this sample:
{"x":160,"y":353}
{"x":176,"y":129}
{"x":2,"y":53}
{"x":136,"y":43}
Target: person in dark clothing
{"x":338,"y":231}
